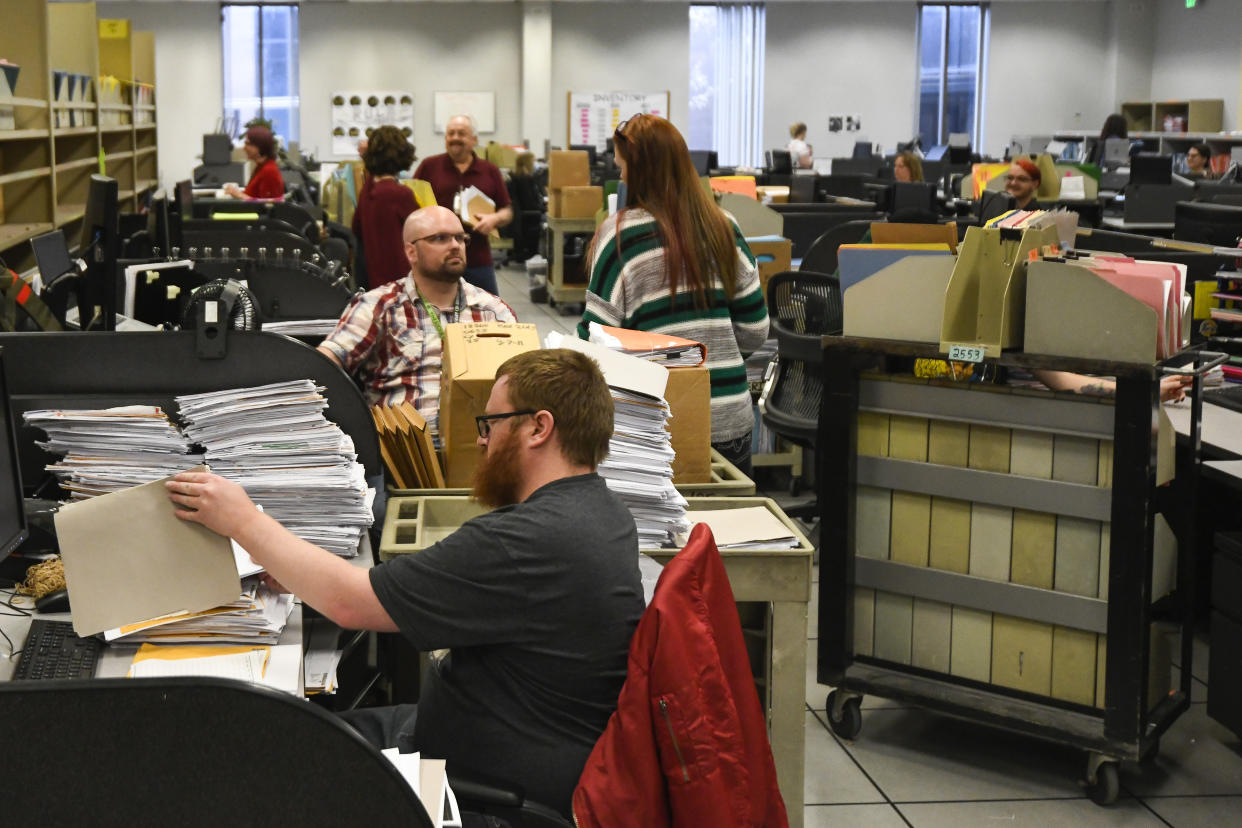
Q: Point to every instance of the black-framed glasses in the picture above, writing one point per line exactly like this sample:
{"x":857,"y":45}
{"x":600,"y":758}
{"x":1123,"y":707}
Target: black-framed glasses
{"x":619,"y":132}
{"x":483,"y":422}
{"x":444,"y":238}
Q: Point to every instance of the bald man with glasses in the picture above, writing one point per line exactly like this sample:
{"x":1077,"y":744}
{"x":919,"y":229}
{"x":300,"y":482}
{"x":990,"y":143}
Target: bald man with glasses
{"x":392,"y":338}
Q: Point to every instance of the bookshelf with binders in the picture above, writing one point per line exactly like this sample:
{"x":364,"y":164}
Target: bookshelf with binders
{"x":82,"y":86}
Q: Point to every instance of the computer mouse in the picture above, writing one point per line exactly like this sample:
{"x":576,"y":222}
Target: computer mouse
{"x":57,"y":601}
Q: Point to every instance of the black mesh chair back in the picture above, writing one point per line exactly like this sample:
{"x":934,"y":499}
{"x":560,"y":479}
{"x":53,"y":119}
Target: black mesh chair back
{"x":803,"y":306}
{"x":821,"y":256}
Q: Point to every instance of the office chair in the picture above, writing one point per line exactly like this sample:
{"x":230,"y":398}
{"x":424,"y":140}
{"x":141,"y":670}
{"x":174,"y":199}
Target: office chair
{"x":189,"y":751}
{"x":821,"y":256}
{"x":803,"y":306}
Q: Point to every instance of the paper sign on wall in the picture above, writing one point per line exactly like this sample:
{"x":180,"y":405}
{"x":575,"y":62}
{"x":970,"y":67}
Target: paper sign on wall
{"x":356,"y":114}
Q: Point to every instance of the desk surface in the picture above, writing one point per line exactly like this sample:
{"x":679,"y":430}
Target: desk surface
{"x":1221,"y":427}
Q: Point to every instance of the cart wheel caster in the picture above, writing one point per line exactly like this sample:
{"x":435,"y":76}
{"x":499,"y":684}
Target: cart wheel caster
{"x":1106,"y":785}
{"x":844,"y":715}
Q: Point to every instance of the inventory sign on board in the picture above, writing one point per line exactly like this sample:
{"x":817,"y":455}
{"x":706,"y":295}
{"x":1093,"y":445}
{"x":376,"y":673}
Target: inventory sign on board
{"x":593,"y":116}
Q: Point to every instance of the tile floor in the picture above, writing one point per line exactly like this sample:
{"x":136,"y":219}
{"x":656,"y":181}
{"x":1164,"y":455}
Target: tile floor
{"x":909,"y":767}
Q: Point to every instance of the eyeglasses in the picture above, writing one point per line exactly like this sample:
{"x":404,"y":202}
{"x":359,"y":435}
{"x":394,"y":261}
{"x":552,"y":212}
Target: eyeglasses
{"x":1018,"y":178}
{"x":484,"y":421}
{"x":619,"y":132}
{"x":444,"y":238}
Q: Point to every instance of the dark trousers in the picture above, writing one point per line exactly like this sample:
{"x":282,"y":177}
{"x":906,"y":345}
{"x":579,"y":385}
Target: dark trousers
{"x":385,"y":727}
{"x":483,"y":276}
{"x":737,"y":452}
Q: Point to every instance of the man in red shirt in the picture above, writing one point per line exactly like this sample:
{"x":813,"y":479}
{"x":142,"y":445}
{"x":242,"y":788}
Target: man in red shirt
{"x":453,"y":171}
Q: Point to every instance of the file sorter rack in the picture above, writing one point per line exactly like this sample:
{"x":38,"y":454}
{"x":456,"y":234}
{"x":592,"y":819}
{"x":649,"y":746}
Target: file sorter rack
{"x":1117,"y":724}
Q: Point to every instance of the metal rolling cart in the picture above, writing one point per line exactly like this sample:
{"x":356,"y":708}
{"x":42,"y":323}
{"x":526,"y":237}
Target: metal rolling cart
{"x":1122,"y":723}
{"x":558,"y":290}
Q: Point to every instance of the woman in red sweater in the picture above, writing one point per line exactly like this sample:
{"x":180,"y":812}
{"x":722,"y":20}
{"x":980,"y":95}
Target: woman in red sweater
{"x":266,"y":181}
{"x":383,"y":205}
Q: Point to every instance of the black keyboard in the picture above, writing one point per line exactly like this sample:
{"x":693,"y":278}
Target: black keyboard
{"x":1228,"y":397}
{"x":54,"y":651}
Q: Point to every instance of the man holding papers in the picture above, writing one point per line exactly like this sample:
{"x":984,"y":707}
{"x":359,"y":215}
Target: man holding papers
{"x":537,"y":600}
{"x":392,"y":337}
{"x":458,"y":169}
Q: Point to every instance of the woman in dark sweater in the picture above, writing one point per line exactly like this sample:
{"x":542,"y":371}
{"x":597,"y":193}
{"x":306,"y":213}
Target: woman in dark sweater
{"x":383,"y":205}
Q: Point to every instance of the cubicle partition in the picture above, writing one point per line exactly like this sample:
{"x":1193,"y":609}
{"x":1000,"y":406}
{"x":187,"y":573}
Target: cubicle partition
{"x":98,"y":370}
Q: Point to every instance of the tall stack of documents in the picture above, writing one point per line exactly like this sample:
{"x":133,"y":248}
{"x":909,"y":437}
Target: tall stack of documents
{"x":639,"y":465}
{"x":639,"y":468}
{"x":275,"y":442}
{"x":106,"y":450}
{"x":669,"y":351}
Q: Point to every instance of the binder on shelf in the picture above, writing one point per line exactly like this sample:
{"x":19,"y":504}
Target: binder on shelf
{"x":984,"y":303}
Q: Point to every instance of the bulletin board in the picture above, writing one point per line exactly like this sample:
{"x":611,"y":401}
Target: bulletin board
{"x":593,"y":116}
{"x":479,"y":105}
{"x":357,"y":113}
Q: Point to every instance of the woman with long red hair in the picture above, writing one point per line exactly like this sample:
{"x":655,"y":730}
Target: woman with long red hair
{"x":671,"y":261}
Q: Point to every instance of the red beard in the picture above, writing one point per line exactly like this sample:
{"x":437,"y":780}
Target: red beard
{"x":497,"y":479}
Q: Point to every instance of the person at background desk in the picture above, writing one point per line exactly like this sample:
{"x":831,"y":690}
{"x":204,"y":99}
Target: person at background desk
{"x":799,"y":149}
{"x":383,"y":206}
{"x":907,"y":167}
{"x":392,"y":337}
{"x":671,"y":261}
{"x":454,"y":170}
{"x":266,"y":180}
{"x":1114,"y":127}
{"x":1198,"y":161}
{"x":1022,"y":182}
{"x":537,"y":600}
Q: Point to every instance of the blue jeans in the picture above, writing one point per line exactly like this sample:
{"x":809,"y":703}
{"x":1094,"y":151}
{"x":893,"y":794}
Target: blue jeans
{"x":483,"y":276}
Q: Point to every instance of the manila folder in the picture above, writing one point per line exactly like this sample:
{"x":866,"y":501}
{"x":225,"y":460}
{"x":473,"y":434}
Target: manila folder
{"x":129,"y":558}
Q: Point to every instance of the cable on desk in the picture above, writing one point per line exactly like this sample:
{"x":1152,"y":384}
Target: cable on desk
{"x":18,"y":612}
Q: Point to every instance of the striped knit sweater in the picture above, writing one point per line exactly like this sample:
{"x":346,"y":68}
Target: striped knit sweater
{"x":629,"y":289}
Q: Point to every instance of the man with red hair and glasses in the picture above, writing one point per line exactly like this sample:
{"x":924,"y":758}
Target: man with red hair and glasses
{"x":537,"y":600}
{"x":670,"y":261}
{"x":1022,"y":182}
{"x":392,"y":337}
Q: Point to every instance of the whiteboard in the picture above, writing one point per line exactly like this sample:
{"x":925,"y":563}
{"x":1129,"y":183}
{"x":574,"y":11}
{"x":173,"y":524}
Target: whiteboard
{"x":479,"y":105}
{"x":593,"y":116}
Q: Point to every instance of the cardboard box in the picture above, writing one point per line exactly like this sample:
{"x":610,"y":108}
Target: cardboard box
{"x":689,"y":395}
{"x":575,"y":202}
{"x":568,"y":168}
{"x":472,"y":353}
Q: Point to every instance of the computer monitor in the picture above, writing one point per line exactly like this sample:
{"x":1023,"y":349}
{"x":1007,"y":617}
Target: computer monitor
{"x":911,"y":197}
{"x":862,"y":149}
{"x":1116,"y":152}
{"x":959,"y":148}
{"x":217,"y":149}
{"x":1149,"y":168}
{"x":51,"y":253}
{"x":589,"y":149}
{"x":99,"y":247}
{"x":936,"y":153}
{"x":779,"y":161}
{"x":13,"y":526}
{"x":704,"y":161}
{"x":1207,"y":223}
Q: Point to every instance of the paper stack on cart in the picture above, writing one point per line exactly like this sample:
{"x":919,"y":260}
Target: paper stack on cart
{"x":275,"y":441}
{"x":639,"y":465}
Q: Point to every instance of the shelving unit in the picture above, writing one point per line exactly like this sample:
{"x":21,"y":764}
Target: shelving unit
{"x":45,"y":168}
{"x":997,"y":554}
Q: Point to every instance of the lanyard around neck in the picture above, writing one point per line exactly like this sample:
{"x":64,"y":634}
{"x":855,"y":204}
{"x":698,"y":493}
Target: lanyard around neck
{"x":458,"y":307}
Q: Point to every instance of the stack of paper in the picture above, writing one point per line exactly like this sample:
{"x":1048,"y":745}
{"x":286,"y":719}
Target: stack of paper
{"x":753,"y":527}
{"x":429,"y":782}
{"x":669,"y":351}
{"x":302,"y":327}
{"x":301,"y":468}
{"x":276,"y":667}
{"x":322,"y":656}
{"x":257,"y":616}
{"x":111,"y":449}
{"x":473,"y":202}
{"x":639,"y":465}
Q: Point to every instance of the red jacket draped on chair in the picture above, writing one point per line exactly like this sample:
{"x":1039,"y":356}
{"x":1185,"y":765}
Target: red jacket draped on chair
{"x":688,"y":744}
